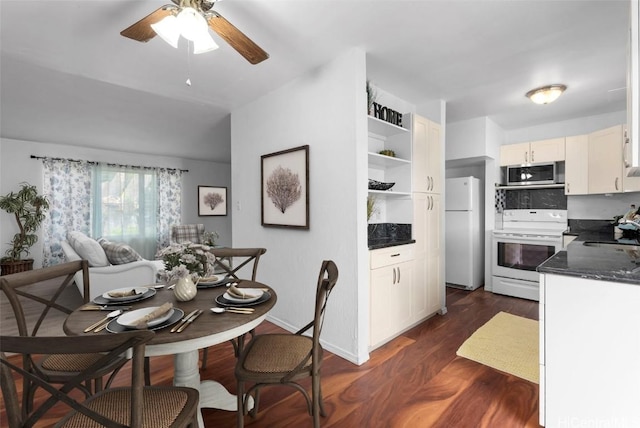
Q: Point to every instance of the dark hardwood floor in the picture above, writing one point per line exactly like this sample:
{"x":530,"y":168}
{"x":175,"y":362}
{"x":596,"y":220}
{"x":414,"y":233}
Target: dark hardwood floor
{"x":413,"y":381}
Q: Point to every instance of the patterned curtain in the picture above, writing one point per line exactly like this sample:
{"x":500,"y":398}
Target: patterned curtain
{"x":169,"y":203}
{"x":82,"y":193}
{"x":67,"y":185}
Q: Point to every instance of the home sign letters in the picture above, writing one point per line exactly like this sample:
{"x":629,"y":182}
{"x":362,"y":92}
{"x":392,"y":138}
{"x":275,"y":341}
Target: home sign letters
{"x":387,"y":114}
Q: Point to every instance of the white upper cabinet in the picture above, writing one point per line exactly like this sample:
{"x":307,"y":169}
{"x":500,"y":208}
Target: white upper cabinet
{"x":632,"y":151}
{"x":576,"y":166}
{"x":427,"y":155}
{"x":551,"y":150}
{"x":605,"y":160}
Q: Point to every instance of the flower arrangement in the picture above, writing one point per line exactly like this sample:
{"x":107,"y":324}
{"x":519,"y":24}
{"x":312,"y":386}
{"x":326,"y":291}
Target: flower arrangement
{"x":183,"y":260}
{"x":209,"y":238}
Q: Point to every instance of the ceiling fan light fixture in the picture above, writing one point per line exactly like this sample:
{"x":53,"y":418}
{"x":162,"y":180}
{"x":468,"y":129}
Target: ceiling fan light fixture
{"x":546,"y":94}
{"x":204,"y":44}
{"x":191,"y":23}
{"x":168,"y":30}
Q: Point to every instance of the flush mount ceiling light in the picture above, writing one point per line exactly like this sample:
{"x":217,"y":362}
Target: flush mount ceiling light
{"x":546,"y":94}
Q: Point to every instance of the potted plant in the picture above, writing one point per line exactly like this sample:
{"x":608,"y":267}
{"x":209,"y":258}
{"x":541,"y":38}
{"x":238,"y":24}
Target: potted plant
{"x":28,"y":208}
{"x":371,"y":96}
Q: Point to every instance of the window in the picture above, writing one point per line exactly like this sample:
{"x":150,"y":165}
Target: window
{"x":133,"y":205}
{"x":125,"y":207}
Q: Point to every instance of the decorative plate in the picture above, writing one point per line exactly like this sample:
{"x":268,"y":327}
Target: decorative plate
{"x":128,"y":319}
{"x":149,"y":292}
{"x":222,"y":301}
{"x":139,"y":292}
{"x":178,"y":314}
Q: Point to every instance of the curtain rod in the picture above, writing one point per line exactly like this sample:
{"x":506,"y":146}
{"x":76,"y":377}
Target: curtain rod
{"x":108,"y":164}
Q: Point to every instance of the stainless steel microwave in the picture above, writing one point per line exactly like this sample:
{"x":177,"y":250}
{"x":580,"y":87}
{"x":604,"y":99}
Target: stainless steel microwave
{"x":519,"y":175}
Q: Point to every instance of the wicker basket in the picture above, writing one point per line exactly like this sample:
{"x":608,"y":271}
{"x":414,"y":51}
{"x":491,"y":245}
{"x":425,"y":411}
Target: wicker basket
{"x":7,"y":268}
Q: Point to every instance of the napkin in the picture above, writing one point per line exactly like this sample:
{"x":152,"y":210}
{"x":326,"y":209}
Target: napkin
{"x":243,"y":293}
{"x":131,"y":292}
{"x":143,"y":322}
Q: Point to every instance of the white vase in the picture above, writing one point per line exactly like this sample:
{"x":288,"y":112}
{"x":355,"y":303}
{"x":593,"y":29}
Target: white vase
{"x":185,"y":289}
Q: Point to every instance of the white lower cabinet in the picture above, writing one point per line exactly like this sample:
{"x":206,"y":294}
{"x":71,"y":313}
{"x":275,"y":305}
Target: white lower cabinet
{"x":589,"y":347}
{"x":391,"y":278}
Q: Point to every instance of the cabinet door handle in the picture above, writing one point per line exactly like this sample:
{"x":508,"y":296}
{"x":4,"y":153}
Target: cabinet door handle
{"x":395,"y":255}
{"x":532,"y":156}
{"x":394,"y":275}
{"x":398,"y":275}
{"x":526,"y":157}
{"x":617,"y":183}
{"x":568,"y":187}
{"x":624,"y":152}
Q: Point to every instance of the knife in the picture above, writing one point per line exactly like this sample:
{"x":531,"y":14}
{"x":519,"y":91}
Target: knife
{"x":104,"y":308}
{"x":183,"y":320}
{"x":190,"y":320}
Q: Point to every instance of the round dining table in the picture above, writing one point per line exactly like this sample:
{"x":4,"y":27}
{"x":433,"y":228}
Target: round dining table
{"x":207,"y":330}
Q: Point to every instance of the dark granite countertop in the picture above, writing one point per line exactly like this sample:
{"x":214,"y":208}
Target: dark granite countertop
{"x":375,"y":244}
{"x":601,"y":263}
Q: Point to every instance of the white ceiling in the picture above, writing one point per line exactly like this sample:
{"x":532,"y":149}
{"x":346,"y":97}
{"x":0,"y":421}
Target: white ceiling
{"x":68,"y":77}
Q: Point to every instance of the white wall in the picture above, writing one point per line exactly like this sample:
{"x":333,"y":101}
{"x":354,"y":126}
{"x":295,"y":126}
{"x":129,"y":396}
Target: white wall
{"x":16,"y":166}
{"x":326,"y":110}
{"x":579,"y":126}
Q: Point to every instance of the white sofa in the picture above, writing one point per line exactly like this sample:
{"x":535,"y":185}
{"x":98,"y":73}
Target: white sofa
{"x":105,"y":278}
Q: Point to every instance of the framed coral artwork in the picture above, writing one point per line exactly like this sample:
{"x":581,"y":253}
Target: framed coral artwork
{"x":285,"y":188}
{"x":212,"y":200}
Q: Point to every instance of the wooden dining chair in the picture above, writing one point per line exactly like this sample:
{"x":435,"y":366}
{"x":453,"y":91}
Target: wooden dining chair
{"x":229,"y":262}
{"x":42,"y":288}
{"x":128,"y":406}
{"x":283,"y":359}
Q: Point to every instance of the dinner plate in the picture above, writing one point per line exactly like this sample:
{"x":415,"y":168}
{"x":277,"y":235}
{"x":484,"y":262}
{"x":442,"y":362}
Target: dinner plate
{"x":129,"y":319}
{"x":139,"y":292}
{"x":223,"y":301}
{"x":149,"y":292}
{"x":232,"y":298}
{"x":178,"y":314}
{"x":210,"y":284}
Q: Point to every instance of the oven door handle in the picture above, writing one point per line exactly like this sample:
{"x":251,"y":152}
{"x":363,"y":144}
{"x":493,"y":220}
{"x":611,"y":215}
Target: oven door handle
{"x":527,"y":238}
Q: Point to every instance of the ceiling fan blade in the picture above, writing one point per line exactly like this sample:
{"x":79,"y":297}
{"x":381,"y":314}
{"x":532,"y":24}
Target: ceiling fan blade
{"x":141,"y":30}
{"x":236,"y":38}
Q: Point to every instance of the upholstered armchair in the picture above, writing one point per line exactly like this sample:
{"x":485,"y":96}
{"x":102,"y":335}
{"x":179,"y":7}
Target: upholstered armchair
{"x":187,"y":233}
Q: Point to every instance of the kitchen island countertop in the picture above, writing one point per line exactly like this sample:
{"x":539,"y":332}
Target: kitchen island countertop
{"x":599,"y":263}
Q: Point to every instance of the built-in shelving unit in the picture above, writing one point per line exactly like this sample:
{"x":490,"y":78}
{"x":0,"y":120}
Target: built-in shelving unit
{"x":393,"y":205}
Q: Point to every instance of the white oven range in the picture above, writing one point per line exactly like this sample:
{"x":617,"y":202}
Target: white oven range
{"x":528,"y":238}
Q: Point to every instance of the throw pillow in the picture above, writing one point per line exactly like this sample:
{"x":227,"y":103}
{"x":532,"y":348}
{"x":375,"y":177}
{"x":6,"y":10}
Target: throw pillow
{"x":88,"y":249}
{"x":118,"y":253}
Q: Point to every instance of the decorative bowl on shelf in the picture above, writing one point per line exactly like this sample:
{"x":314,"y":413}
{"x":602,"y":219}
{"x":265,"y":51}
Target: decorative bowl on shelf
{"x":389,"y":153}
{"x":379,"y":185}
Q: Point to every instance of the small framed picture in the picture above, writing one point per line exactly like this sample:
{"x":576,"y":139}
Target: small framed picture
{"x":212,"y":200}
{"x":285,"y":188}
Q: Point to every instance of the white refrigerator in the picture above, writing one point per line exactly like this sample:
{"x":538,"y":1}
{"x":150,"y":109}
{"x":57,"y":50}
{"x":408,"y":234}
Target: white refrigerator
{"x":463,"y":233}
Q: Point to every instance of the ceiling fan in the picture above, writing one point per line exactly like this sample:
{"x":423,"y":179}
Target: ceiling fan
{"x":187,"y":17}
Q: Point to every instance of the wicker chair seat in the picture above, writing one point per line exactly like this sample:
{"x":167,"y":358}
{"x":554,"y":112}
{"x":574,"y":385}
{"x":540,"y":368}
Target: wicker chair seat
{"x":278,"y":353}
{"x":115,"y":404}
{"x":68,"y":363}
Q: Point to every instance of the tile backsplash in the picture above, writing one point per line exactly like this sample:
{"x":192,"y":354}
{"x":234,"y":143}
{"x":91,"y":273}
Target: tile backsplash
{"x":515,"y":199}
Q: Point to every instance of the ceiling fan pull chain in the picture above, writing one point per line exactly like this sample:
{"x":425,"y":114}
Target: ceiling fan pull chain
{"x":188,"y":82}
